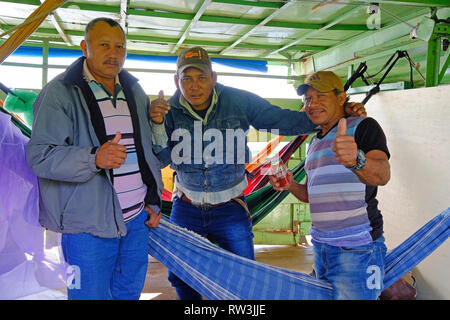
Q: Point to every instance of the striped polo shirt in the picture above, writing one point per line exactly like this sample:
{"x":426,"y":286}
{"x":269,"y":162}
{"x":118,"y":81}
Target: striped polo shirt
{"x":337,"y":198}
{"x":127,"y":179}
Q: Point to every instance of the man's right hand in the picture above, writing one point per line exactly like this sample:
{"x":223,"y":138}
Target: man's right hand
{"x":276,"y":185}
{"x":158,"y":108}
{"x":111,"y":155}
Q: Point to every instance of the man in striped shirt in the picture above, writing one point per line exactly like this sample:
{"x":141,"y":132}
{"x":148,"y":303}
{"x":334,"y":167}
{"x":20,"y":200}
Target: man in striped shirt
{"x":99,"y":180}
{"x":345,"y":163}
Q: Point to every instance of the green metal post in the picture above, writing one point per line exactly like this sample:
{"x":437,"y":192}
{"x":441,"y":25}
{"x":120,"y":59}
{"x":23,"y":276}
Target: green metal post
{"x":433,"y":61}
{"x":45,"y":49}
{"x":444,"y":66}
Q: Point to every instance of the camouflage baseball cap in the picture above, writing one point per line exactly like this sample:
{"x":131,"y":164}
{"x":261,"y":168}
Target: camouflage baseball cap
{"x":323,"y":81}
{"x":195,"y":57}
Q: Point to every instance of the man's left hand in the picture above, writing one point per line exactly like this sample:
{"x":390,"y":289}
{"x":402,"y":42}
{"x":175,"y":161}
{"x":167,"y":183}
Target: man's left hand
{"x":153,"y":218}
{"x":355,"y":109}
{"x":344,"y":146}
{"x":158,"y":108}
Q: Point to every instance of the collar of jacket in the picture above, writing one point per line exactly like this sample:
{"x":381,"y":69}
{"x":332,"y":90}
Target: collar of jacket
{"x":175,"y":99}
{"x":74,"y":74}
{"x":74,"y":77}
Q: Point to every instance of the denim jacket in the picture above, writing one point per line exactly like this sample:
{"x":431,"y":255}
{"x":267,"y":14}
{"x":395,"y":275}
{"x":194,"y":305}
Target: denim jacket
{"x":234,"y":112}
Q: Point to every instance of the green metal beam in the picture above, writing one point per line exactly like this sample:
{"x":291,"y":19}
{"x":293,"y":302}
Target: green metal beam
{"x":444,"y":66}
{"x":32,"y":2}
{"x":383,"y":87}
{"x":240,"y":20}
{"x":312,"y":33}
{"x":263,"y":4}
{"x":60,"y":45}
{"x":194,"y":20}
{"x":219,"y":43}
{"x":433,"y":61}
{"x":133,"y":10}
{"x":91,"y":7}
{"x":131,"y":37}
{"x":434,"y":76}
{"x":422,"y":3}
{"x":45,"y":64}
{"x":346,"y":50}
{"x":262,"y":23}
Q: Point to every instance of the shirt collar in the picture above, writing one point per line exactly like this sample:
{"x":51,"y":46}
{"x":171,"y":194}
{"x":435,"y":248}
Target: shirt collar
{"x":187,"y":105}
{"x":89,"y":77}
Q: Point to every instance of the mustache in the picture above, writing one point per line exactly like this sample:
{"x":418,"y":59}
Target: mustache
{"x":114,"y":62}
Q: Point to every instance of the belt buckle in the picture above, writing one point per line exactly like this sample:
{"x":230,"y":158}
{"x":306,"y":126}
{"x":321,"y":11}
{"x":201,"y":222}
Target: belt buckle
{"x":205,"y":206}
{"x":202,"y":206}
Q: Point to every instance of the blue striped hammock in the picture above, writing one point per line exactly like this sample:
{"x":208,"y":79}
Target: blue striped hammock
{"x":220,"y":275}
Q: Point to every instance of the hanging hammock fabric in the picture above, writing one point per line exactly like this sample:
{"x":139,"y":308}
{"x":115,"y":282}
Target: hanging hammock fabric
{"x":261,"y":178}
{"x":218,"y":274}
{"x":264,"y":153}
{"x":29,"y":262}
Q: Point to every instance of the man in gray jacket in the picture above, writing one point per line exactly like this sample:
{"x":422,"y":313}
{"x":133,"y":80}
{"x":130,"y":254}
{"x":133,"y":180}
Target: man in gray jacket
{"x":99,"y":180}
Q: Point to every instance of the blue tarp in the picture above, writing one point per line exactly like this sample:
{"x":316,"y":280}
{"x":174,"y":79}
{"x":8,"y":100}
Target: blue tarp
{"x":250,"y":65}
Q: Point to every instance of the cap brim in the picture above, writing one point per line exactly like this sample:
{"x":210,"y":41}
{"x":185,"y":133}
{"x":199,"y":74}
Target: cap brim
{"x":301,"y":90}
{"x":200,"y":66}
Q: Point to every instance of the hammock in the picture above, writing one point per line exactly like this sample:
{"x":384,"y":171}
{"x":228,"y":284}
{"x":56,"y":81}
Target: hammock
{"x":218,"y":274}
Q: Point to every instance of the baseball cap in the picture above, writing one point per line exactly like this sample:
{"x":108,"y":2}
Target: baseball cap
{"x":323,"y":81}
{"x":196,"y":57}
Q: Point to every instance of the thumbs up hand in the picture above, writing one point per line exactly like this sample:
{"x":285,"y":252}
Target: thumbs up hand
{"x":158,"y":108}
{"x":117,"y":138}
{"x":111,"y":155}
{"x":344,"y":146}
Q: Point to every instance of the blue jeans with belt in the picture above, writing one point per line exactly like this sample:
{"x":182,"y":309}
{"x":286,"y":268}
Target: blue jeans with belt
{"x":356,"y":273}
{"x":228,"y":225}
{"x":108,"y":268}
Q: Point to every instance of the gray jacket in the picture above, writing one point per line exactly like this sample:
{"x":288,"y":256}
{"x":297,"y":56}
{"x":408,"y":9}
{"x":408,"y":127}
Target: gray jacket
{"x":74,"y":195}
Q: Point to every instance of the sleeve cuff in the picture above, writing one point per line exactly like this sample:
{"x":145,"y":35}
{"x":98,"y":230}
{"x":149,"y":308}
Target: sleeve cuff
{"x":159,"y":135}
{"x":92,"y":156}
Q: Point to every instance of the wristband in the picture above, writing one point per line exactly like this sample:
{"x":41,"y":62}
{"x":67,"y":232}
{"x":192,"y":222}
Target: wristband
{"x":360,"y":160}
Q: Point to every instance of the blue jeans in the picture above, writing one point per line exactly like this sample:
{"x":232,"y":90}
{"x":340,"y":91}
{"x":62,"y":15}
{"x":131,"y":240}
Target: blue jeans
{"x":108,"y":268}
{"x":227,"y":225}
{"x":356,"y":273}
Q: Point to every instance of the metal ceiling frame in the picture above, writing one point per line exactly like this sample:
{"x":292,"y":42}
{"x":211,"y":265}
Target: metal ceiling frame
{"x":262,"y":23}
{"x":363,"y":44}
{"x":312,"y":33}
{"x":194,"y":20}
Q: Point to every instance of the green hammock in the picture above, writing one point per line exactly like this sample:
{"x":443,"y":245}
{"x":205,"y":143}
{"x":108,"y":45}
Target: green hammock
{"x":26,"y":131}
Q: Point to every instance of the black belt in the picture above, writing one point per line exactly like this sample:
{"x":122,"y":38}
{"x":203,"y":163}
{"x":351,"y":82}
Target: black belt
{"x":207,"y":206}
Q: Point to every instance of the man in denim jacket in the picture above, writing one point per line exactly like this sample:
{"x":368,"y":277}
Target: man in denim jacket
{"x":206,"y":125}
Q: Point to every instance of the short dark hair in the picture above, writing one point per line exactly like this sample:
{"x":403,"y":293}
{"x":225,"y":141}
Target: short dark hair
{"x":92,"y":23}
